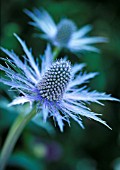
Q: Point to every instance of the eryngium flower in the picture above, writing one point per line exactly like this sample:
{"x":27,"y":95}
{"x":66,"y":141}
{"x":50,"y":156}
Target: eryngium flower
{"x":56,"y":87}
{"x":65,"y":33}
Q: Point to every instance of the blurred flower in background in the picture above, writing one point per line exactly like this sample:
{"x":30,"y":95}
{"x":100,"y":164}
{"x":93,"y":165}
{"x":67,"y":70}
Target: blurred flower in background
{"x":65,"y":34}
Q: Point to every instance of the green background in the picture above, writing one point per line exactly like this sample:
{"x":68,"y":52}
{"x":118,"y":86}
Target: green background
{"x":96,"y":147}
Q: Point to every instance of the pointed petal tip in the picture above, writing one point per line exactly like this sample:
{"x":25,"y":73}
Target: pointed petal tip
{"x":25,"y":11}
{"x":82,"y":126}
{"x":4,"y":50}
{"x":113,"y":99}
{"x":104,"y":123}
{"x":88,"y":27}
{"x":105,"y":39}
{"x":61,"y":125}
{"x":117,"y":100}
{"x":108,"y":126}
{"x":61,"y":129}
{"x":15,"y":34}
{"x":10,"y":104}
{"x":102,"y":39}
{"x":1,"y":48}
{"x":17,"y":37}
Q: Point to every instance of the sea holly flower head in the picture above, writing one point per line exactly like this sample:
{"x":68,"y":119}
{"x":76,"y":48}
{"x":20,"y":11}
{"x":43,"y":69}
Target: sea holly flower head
{"x":56,"y":86}
{"x":64,"y":34}
{"x":53,"y":84}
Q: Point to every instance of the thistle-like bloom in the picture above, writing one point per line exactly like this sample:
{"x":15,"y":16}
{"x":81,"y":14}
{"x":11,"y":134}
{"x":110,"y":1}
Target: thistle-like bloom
{"x":56,"y":87}
{"x":65,"y":33}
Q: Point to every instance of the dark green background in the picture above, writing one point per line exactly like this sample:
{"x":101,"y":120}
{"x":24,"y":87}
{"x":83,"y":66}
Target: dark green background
{"x":96,"y":147}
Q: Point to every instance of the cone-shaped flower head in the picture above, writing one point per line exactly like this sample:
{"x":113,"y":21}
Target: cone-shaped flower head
{"x":53,"y":84}
{"x":65,"y":33}
{"x":56,"y":87}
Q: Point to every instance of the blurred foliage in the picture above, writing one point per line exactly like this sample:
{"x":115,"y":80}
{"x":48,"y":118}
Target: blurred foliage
{"x":96,"y":147}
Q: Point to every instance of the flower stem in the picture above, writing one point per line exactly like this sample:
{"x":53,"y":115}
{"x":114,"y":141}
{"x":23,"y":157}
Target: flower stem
{"x":13,"y":135}
{"x":56,"y":52}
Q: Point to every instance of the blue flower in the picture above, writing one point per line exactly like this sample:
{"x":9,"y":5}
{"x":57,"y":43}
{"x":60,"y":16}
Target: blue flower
{"x":65,"y":33}
{"x":56,"y":87}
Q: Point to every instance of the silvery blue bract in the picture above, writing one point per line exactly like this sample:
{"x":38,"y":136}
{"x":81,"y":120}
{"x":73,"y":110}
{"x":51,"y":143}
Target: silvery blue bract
{"x":56,"y":86}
